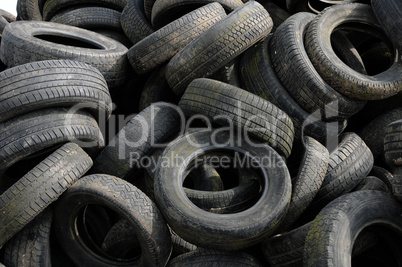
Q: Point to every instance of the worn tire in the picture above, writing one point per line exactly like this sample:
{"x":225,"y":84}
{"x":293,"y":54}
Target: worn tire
{"x":374,"y":132}
{"x":52,"y":7}
{"x":136,"y":139}
{"x":388,"y":14}
{"x":134,"y":24}
{"x":218,"y":46}
{"x":129,"y":203}
{"x":31,"y":246}
{"x":30,"y":9}
{"x":348,"y":164}
{"x":337,"y":74}
{"x":308,"y":181}
{"x":19,"y":46}
{"x":157,"y":89}
{"x":338,"y":224}
{"x":39,"y":131}
{"x":40,"y":187}
{"x":206,"y":257}
{"x":259,"y":77}
{"x":393,"y":144}
{"x":89,"y":18}
{"x":226,"y":104}
{"x":220,"y":231}
{"x":162,"y":45}
{"x":53,"y":83}
{"x":298,"y":75}
{"x":166,"y":11}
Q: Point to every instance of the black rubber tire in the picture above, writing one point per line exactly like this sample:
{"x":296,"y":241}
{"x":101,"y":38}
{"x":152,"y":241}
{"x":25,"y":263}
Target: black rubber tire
{"x":204,"y":178}
{"x":286,"y":249}
{"x":227,"y":201}
{"x":52,"y":7}
{"x":160,"y":46}
{"x":38,"y":131}
{"x":372,"y":183}
{"x":206,"y":257}
{"x":157,"y":89}
{"x":19,"y":46}
{"x":29,"y":10}
{"x":221,"y":231}
{"x":298,"y":75}
{"x":7,"y":15}
{"x":123,"y":156}
{"x":129,"y":203}
{"x":374,"y":132}
{"x":393,"y":144}
{"x":336,"y":73}
{"x":229,"y":73}
{"x":384,"y":175}
{"x":278,"y":14}
{"x":348,"y":164}
{"x":119,"y":36}
{"x":397,"y":184}
{"x":3,"y":25}
{"x":181,"y":246}
{"x":218,"y":46}
{"x":347,"y":52}
{"x":222,"y":102}
{"x":30,"y":247}
{"x":41,"y":186}
{"x":120,"y":239}
{"x":259,"y":78}
{"x":388,"y":14}
{"x":53,"y":83}
{"x":148,"y":5}
{"x":89,"y":18}
{"x":338,"y":224}
{"x":308,"y":181}
{"x":134,"y":23}
{"x":166,"y":11}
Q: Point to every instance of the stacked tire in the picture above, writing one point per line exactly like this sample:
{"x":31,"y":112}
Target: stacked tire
{"x":200,"y":133}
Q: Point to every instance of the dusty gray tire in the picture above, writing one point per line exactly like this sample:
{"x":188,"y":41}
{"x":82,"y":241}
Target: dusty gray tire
{"x":52,"y":7}
{"x":336,"y":73}
{"x":126,"y":201}
{"x":89,"y":18}
{"x":393,"y":144}
{"x":166,"y":11}
{"x":338,"y":224}
{"x":163,"y":44}
{"x":218,"y":46}
{"x":123,"y":155}
{"x":226,"y":104}
{"x":348,"y":164}
{"x":372,"y":183}
{"x":221,"y":231}
{"x":298,"y":75}
{"x":21,"y":43}
{"x":40,"y":187}
{"x":206,"y":257}
{"x":308,"y":181}
{"x":134,"y":24}
{"x":259,"y":77}
{"x":39,"y":131}
{"x":30,"y":247}
{"x":30,"y":9}
{"x":44,"y":84}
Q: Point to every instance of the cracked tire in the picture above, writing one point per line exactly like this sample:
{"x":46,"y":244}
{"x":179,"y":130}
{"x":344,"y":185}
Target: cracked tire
{"x":128,"y":202}
{"x":41,"y":186}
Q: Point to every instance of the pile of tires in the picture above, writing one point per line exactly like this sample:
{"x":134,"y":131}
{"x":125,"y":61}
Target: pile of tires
{"x":201,"y":133}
